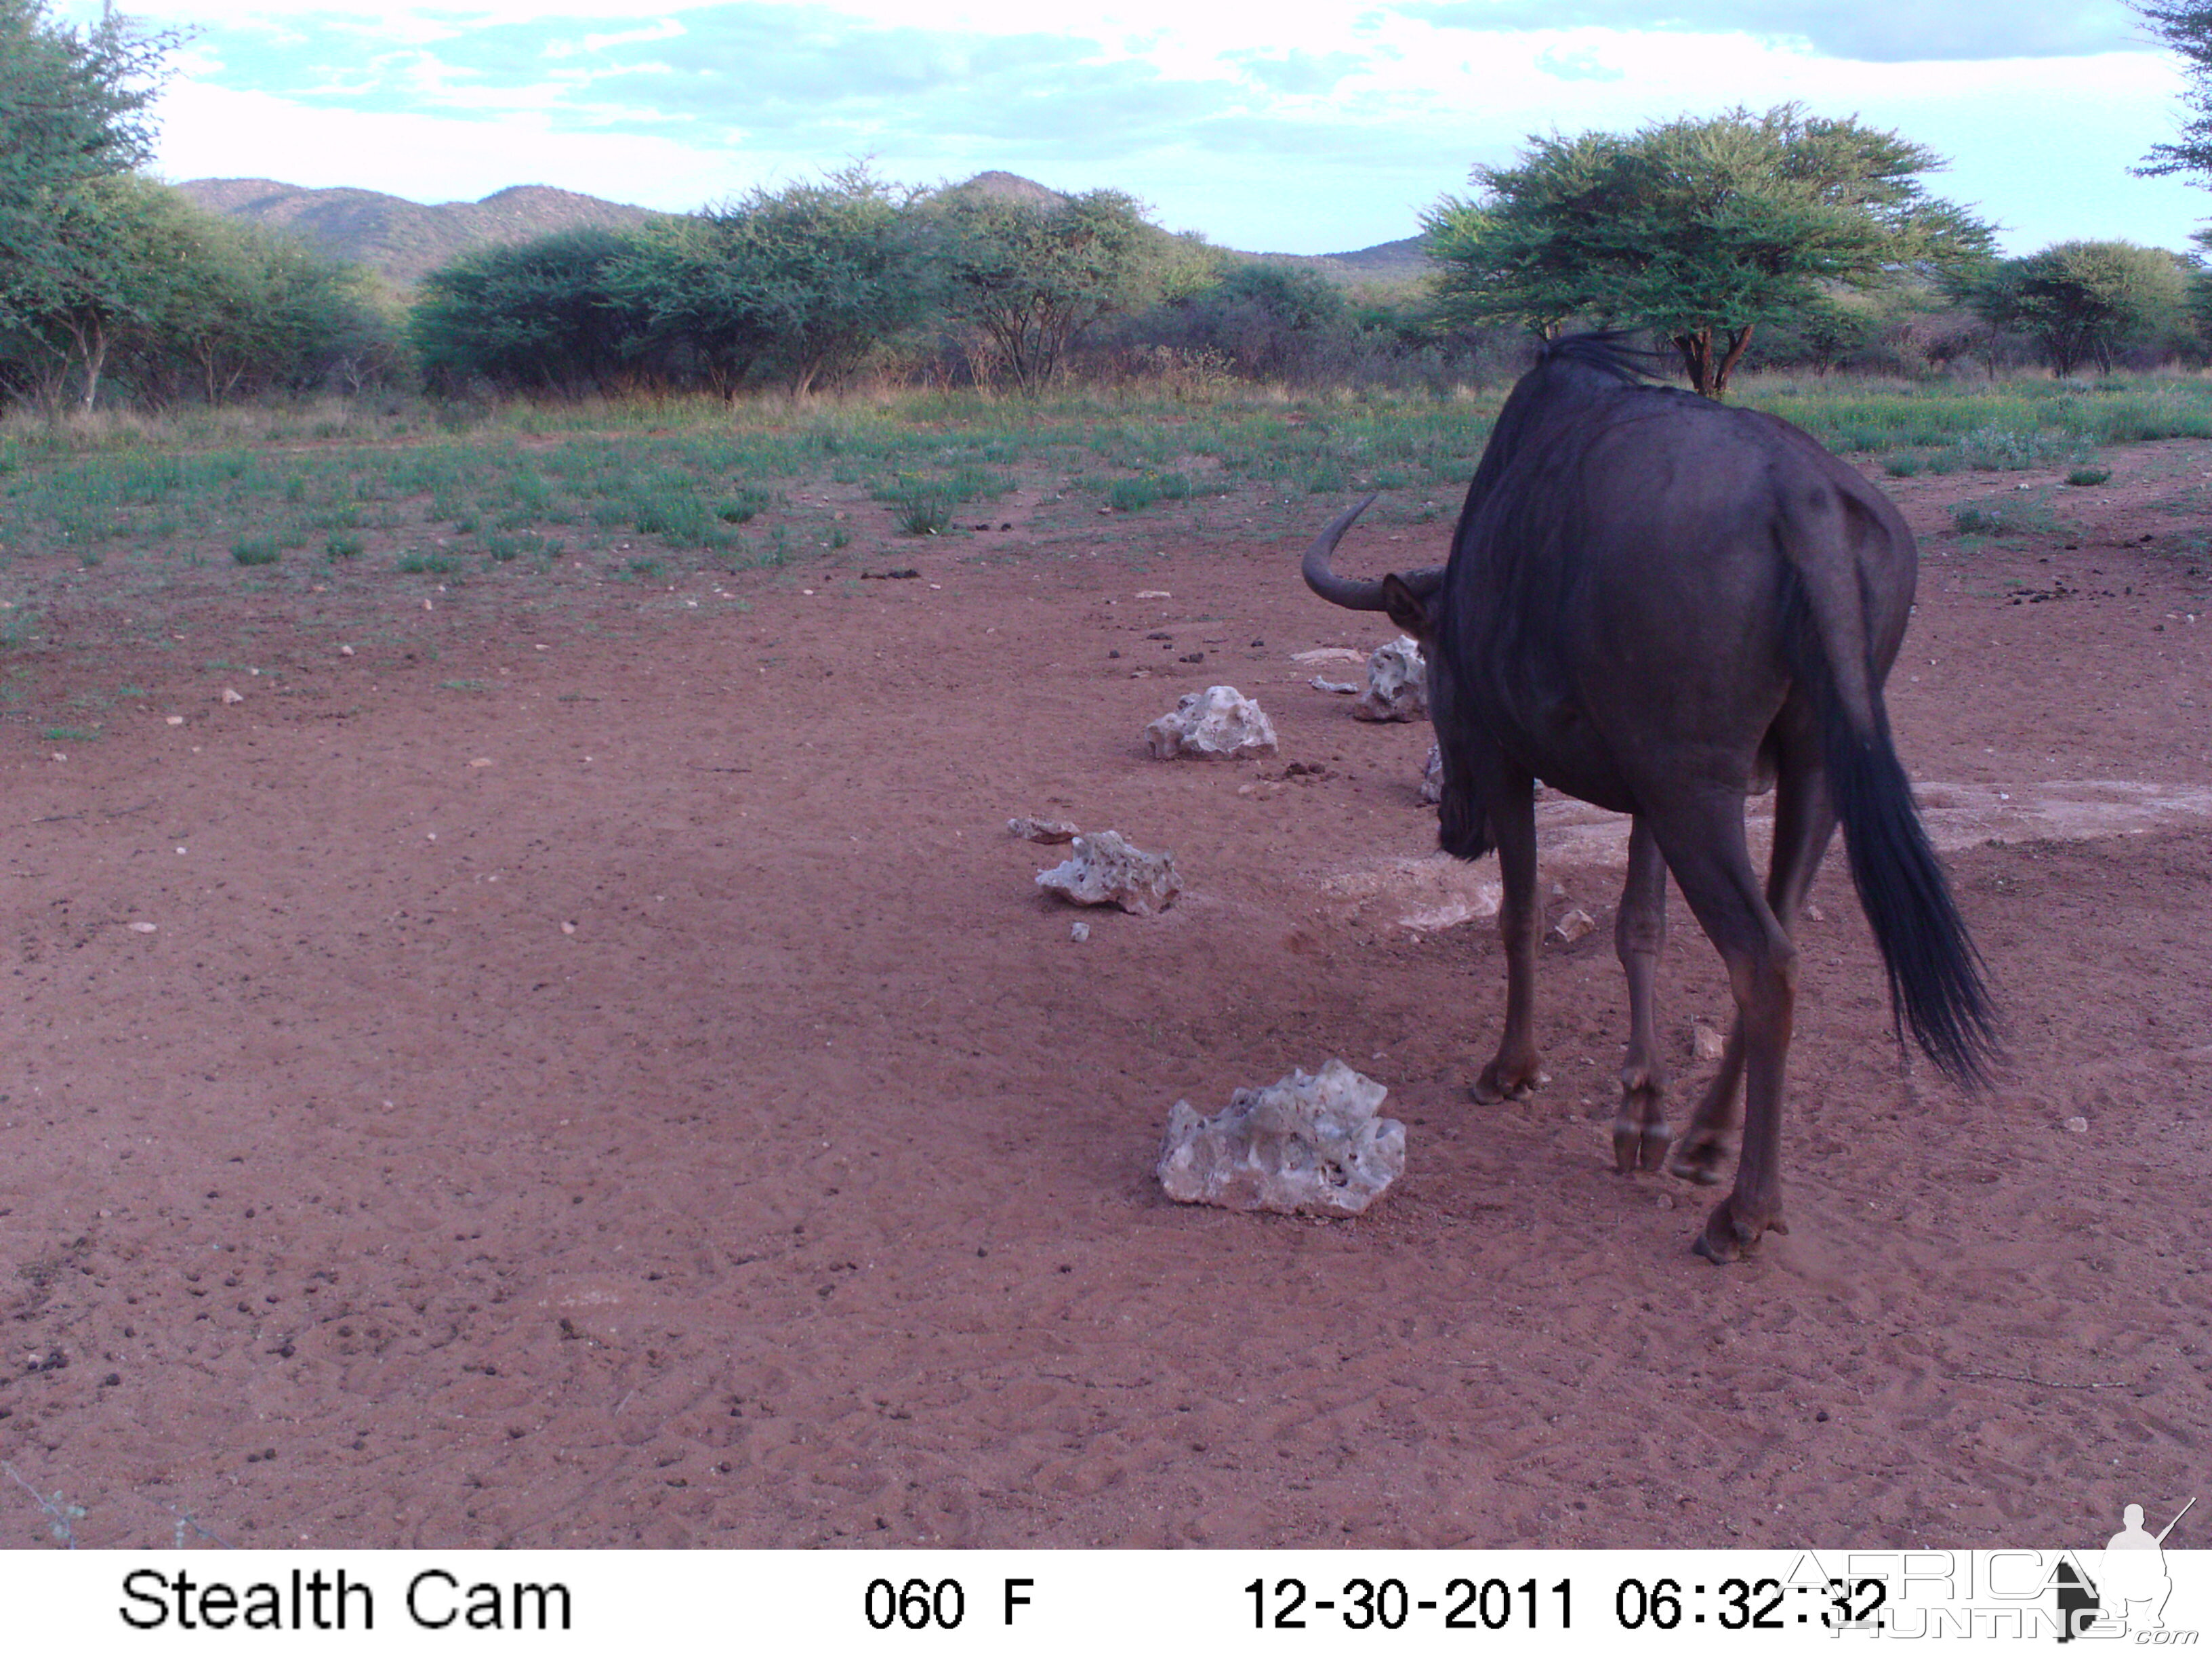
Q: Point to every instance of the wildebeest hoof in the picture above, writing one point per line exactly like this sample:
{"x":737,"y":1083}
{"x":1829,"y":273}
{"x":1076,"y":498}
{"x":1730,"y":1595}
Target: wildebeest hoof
{"x":1729,"y":1237}
{"x":1504,"y":1080}
{"x":1639,"y":1146}
{"x":1697,"y":1161}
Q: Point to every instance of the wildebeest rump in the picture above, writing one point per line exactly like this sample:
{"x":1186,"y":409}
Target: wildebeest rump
{"x":1660,"y":604}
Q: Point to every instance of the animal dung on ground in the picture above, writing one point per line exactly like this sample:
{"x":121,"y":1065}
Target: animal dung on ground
{"x":1107,"y":870}
{"x":1048,"y":830}
{"x":1397,"y":683}
{"x":1302,"y":1146}
{"x":1216,"y":722}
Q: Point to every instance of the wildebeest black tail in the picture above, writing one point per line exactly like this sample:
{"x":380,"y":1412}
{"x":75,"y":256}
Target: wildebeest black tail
{"x":1937,"y":985}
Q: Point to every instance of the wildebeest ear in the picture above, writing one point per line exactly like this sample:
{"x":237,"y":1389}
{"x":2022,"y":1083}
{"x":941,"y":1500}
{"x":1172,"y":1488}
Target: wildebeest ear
{"x":1406,"y":608}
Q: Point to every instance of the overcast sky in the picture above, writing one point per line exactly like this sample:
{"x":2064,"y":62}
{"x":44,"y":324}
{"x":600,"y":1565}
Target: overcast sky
{"x":1333,"y":134}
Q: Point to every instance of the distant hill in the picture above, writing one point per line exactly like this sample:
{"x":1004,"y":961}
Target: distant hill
{"x":406,"y":240}
{"x":1401,"y":261}
{"x":403,"y":239}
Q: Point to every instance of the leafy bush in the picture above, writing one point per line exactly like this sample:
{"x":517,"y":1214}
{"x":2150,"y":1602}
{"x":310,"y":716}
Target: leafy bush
{"x":2089,"y":475}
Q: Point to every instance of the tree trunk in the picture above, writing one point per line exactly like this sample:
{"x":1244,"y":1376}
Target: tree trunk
{"x":1737,"y":341}
{"x":1697,"y":350}
{"x":93,"y":341}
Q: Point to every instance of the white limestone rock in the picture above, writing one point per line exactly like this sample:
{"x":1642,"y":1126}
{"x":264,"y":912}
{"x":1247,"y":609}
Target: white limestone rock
{"x":1048,"y":830}
{"x":1219,"y":722}
{"x":1433,"y":775}
{"x":1107,"y":870}
{"x":1397,"y":683}
{"x":1302,"y":1146}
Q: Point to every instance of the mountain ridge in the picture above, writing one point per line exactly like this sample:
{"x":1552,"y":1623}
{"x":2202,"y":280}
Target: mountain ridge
{"x":404,"y":241}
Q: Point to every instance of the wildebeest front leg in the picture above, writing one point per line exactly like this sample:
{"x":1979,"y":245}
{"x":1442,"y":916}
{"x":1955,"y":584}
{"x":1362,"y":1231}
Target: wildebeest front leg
{"x":1639,"y":934}
{"x":1516,"y":1068}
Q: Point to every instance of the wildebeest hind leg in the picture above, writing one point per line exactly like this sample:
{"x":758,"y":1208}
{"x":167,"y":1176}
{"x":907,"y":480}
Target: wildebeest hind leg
{"x":1703,"y":839}
{"x":1516,"y":1068}
{"x":1804,"y":824}
{"x":1639,"y":934}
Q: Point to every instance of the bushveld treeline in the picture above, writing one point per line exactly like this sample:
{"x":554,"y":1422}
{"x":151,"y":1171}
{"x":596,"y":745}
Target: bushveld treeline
{"x":1743,"y":241}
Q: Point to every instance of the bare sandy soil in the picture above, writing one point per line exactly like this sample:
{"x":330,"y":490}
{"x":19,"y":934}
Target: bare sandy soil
{"x":595,"y":1071}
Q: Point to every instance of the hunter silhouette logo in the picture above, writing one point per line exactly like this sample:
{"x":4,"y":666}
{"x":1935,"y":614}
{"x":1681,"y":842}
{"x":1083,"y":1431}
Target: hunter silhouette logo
{"x":2130,"y":1588}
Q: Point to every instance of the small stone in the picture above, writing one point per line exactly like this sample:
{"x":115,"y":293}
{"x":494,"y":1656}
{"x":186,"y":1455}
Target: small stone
{"x":1397,"y":683}
{"x":1154,"y":593}
{"x":1049,"y":831}
{"x":143,"y":926}
{"x":229,"y":695}
{"x":176,"y":720}
{"x":1813,"y":913}
{"x":1433,"y":775}
{"x":347,"y":650}
{"x":1302,"y":1146}
{"x":1334,"y":688}
{"x":568,"y":927}
{"x":1107,"y":870}
{"x":481,"y":761}
{"x":1216,"y":722}
{"x":2078,"y":1126}
{"x":1080,"y":933}
{"x":1705,"y":1041}
{"x":1577,"y":924}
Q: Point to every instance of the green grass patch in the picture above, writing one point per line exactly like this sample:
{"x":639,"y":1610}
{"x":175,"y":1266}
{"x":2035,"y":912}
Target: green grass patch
{"x":2002,"y":516}
{"x":2084,"y":476}
{"x":256,"y":549}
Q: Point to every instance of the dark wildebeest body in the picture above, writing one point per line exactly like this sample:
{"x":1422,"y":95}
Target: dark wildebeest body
{"x":1660,"y":604}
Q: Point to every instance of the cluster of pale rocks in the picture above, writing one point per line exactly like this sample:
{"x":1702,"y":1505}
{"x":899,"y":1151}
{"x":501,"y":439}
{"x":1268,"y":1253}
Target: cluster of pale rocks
{"x":1305,"y":1144}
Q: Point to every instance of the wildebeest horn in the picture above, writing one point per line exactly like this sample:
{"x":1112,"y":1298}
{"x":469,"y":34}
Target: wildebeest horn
{"x":1350,"y":592}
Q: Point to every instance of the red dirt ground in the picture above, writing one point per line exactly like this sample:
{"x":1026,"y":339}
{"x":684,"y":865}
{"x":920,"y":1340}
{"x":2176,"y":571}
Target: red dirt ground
{"x":599,"y":1074}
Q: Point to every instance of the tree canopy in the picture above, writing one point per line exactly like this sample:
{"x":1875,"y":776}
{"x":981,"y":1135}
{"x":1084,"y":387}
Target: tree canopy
{"x":2185,"y":25}
{"x":1700,"y":228}
{"x":801,"y":283}
{"x":1031,"y":278}
{"x":2080,"y":301}
{"x":72,"y":111}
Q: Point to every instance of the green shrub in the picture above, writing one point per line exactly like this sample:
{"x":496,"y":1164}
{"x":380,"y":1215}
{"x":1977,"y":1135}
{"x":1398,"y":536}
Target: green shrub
{"x":255,"y":549}
{"x":740,"y":507}
{"x":344,"y":544}
{"x":2085,"y":475}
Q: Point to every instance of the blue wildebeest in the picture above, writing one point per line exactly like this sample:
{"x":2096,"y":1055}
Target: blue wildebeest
{"x":1661,"y":605}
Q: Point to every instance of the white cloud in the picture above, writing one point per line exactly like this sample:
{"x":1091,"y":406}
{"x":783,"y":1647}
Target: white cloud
{"x":1336,"y":142}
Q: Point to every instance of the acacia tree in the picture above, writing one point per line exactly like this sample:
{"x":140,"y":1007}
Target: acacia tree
{"x":2081,"y":302}
{"x":543,"y":314}
{"x":1700,"y":228}
{"x":801,"y":282}
{"x":2185,"y":25}
{"x":72,"y":111}
{"x":1033,"y":277}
